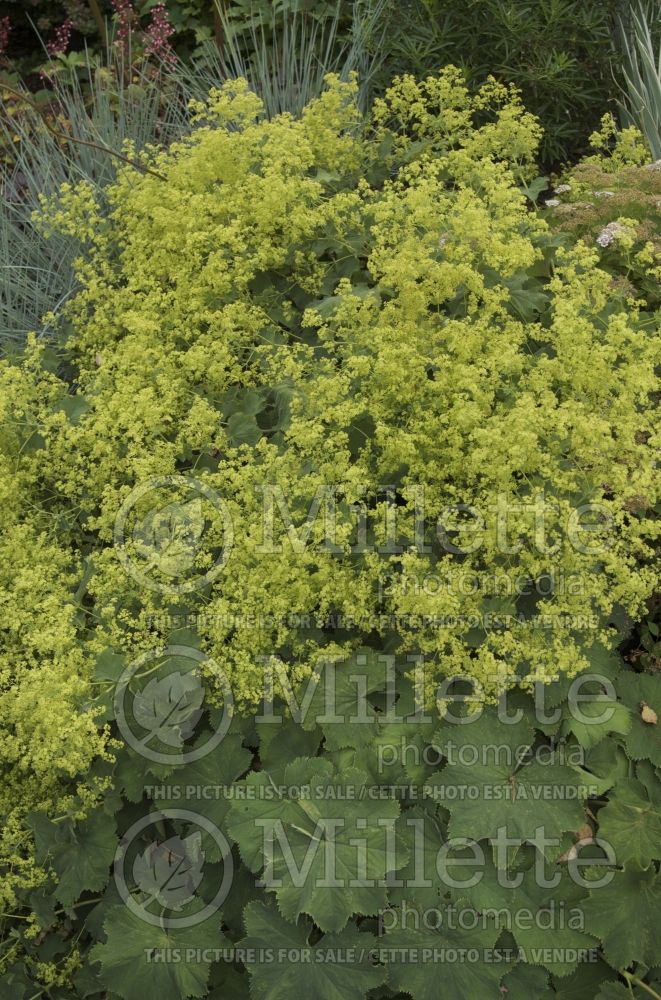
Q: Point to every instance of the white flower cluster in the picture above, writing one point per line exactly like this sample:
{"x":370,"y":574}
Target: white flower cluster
{"x":610,"y":233}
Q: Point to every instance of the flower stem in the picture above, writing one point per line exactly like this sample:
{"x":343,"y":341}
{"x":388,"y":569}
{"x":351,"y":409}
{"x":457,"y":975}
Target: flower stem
{"x":634,"y":980}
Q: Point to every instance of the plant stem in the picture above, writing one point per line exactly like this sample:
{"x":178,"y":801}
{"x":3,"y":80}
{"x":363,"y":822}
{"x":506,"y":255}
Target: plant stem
{"x":631,"y":979}
{"x":81,"y":142}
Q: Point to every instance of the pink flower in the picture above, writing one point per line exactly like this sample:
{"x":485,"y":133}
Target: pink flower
{"x":60,"y":42}
{"x":126,"y":16}
{"x":5,"y":31}
{"x":157,"y":36}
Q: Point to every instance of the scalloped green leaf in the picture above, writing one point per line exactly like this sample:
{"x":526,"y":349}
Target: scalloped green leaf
{"x":141,"y":962}
{"x":287,"y":963}
{"x":626,"y":914}
{"x":631,"y":822}
{"x":325,"y":842}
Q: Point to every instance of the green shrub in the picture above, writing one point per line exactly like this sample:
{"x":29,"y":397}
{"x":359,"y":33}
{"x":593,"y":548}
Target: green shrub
{"x":560,"y":53}
{"x":282,"y":308}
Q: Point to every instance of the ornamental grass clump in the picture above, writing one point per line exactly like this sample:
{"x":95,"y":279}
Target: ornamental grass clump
{"x":425,"y":428}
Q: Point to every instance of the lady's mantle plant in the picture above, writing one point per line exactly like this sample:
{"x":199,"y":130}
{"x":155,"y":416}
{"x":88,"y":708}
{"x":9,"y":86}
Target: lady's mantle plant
{"x":428,"y":430}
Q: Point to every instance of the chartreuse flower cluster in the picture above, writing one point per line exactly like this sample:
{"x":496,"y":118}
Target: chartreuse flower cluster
{"x":360,"y":314}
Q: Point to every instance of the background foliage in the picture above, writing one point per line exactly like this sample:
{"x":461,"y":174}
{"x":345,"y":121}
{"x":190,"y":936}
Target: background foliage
{"x":561,"y":53}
